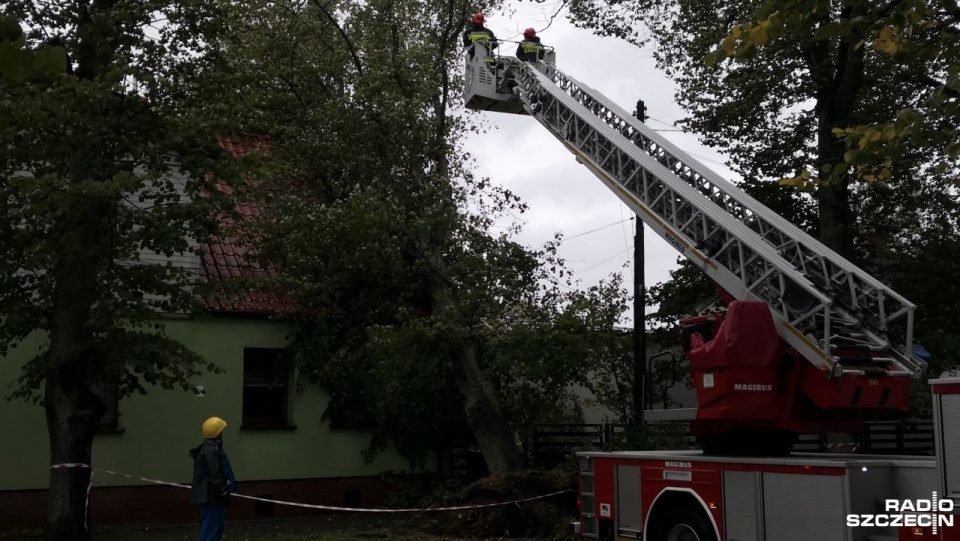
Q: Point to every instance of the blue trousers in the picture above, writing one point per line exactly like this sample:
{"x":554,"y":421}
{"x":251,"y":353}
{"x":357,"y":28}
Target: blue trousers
{"x":212,"y":519}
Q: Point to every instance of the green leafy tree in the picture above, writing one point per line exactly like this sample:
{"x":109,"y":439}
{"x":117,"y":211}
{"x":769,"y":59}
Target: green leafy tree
{"x":17,"y":63}
{"x":916,"y":40}
{"x":409,"y":304}
{"x":610,"y":379}
{"x":854,"y":104}
{"x":375,"y":236}
{"x":820,"y":94}
{"x":560,"y":340}
{"x":96,"y":162}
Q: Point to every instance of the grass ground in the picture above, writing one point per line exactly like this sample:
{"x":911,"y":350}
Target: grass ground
{"x":333,"y":527}
{"x":546,"y":518}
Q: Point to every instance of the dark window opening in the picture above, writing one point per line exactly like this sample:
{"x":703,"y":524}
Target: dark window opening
{"x":265,"y":388}
{"x":109,"y":393}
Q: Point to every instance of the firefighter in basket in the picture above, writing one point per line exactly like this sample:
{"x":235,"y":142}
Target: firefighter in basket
{"x":477,"y":33}
{"x":530,"y":49}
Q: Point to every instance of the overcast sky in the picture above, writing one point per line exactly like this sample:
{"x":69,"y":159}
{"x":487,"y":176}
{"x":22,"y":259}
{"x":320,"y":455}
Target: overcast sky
{"x":563,"y":195}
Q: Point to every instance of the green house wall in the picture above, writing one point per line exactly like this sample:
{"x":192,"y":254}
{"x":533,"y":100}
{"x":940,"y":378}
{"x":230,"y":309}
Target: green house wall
{"x":158,"y":429}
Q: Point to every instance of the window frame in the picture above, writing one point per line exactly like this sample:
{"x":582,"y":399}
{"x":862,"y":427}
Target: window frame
{"x":282,"y":378}
{"x":109,"y":393}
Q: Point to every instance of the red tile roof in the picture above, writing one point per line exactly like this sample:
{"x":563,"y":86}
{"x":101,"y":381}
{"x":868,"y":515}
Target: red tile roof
{"x":226,"y":259}
{"x":245,"y":145}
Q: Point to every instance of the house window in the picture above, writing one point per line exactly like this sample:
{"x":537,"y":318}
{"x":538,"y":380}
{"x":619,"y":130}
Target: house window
{"x":110,"y":422}
{"x":265,"y":388}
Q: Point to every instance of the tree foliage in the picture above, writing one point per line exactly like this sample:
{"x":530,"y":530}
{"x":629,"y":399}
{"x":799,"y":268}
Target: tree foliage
{"x":851,"y":105}
{"x":559,"y":341}
{"x":97,"y":164}
{"x":97,"y":160}
{"x":914,"y":41}
{"x":813,"y":90}
{"x":422,"y":323}
{"x":17,"y":63}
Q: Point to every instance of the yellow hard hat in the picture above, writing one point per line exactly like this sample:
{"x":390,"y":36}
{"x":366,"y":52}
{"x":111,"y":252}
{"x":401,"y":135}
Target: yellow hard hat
{"x":213,"y":426}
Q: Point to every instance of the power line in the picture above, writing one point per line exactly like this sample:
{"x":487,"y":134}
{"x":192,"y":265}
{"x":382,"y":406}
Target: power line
{"x":702,"y":157}
{"x":685,"y":131}
{"x":604,"y":261}
{"x":626,"y":243}
{"x":681,"y":130}
{"x":595,"y":230}
{"x":665,"y":123}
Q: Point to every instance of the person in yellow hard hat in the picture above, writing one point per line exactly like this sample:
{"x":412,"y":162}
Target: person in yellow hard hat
{"x":213,"y":480}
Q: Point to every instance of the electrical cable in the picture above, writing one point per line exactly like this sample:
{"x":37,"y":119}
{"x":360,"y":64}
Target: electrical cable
{"x":602,"y":262}
{"x":594,"y":230}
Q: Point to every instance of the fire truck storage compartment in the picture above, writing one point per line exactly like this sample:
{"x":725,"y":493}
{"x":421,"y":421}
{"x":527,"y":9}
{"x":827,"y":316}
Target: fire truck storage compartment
{"x":629,"y":518}
{"x":798,"y":507}
{"x":741,"y":504}
{"x":947,"y":413}
{"x":780,"y":506}
{"x":587,"y":499}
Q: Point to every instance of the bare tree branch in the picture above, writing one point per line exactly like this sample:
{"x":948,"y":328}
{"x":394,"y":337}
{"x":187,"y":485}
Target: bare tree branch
{"x":931,"y":82}
{"x":556,"y":14}
{"x":343,"y":34}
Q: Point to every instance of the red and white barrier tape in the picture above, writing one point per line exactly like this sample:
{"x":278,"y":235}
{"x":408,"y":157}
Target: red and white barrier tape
{"x":306,"y":505}
{"x":413,"y":510}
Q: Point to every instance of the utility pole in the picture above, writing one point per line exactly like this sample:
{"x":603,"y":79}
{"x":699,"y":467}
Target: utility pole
{"x":639,"y":308}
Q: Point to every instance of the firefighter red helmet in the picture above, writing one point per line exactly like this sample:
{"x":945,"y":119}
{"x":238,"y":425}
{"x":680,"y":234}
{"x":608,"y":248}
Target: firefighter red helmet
{"x":477,"y":18}
{"x":529,"y":33}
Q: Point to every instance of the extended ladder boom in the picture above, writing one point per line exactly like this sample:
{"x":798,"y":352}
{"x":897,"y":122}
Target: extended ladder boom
{"x":820,"y":301}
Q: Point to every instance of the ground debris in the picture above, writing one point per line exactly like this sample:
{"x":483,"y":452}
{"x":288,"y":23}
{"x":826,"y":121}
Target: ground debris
{"x":547,"y":518}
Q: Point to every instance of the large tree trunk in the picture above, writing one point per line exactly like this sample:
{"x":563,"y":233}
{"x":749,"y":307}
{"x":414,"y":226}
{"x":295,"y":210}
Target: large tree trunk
{"x":496,"y":441}
{"x":837,"y":227}
{"x":73,"y":410}
{"x":483,"y":412}
{"x":480,"y":403}
{"x":72,"y":414}
{"x":482,"y":409}
{"x":838,"y":77}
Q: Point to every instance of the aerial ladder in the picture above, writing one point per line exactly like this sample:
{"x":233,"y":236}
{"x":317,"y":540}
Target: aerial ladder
{"x":809,"y":343}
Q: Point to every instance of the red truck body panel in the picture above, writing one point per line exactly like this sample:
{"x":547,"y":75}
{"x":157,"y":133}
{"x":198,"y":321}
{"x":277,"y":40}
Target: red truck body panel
{"x":801,"y":497}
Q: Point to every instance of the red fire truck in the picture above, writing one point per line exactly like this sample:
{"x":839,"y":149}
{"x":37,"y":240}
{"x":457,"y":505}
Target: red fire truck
{"x":809,"y":343}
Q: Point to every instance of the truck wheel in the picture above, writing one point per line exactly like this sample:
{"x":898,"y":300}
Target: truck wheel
{"x":682,"y":524}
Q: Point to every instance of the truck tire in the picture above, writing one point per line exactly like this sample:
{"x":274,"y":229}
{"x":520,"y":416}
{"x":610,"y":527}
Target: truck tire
{"x":682,"y":524}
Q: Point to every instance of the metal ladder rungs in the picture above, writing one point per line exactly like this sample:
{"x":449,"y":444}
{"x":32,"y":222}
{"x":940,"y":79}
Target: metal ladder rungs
{"x":836,"y":304}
